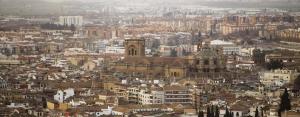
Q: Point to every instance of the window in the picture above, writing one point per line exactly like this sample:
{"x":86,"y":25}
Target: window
{"x":132,"y":51}
{"x":206,"y":62}
{"x":237,"y":114}
{"x":205,"y":70}
{"x":215,"y":61}
{"x":197,"y":62}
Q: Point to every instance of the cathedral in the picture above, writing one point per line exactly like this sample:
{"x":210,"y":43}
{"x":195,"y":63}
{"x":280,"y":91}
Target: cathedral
{"x":206,"y":60}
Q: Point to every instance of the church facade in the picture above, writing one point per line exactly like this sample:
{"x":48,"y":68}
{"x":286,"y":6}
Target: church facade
{"x":206,"y":60}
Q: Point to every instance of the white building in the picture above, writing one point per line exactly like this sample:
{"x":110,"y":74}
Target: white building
{"x":228,"y":47}
{"x":115,"y":50}
{"x":247,"y":52}
{"x":71,"y":20}
{"x":166,"y":50}
{"x":278,"y":77}
{"x":166,"y":95}
{"x":3,"y":84}
{"x":62,"y":95}
{"x":109,"y":112}
{"x":177,"y":94}
{"x":151,"y":97}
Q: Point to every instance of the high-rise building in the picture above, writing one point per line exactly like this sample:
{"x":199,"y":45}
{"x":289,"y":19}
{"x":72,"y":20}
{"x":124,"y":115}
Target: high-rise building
{"x":71,"y":20}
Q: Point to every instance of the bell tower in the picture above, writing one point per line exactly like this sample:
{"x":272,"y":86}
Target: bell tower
{"x":134,"y":48}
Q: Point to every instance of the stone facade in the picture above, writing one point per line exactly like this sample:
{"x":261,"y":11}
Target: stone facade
{"x":206,"y":60}
{"x":135,"y":47}
{"x":209,"y":59}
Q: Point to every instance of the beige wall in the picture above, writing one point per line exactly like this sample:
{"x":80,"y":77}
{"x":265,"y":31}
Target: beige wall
{"x":50,"y":105}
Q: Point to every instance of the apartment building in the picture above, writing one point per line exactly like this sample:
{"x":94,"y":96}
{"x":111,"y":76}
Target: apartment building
{"x":159,"y":95}
{"x":147,"y":96}
{"x":71,"y":20}
{"x":278,"y":77}
{"x":177,"y":94}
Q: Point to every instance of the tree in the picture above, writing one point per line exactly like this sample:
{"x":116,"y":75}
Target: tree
{"x":196,"y":103}
{"x":184,"y":52}
{"x":173,"y":53}
{"x":155,"y":44}
{"x":258,"y":56}
{"x":256,"y":112}
{"x":231,"y":114}
{"x":212,"y":113}
{"x":297,"y":83}
{"x":285,"y":102}
{"x":262,"y":111}
{"x":274,"y":64}
{"x":44,"y":101}
{"x":208,"y":113}
{"x":227,"y":113}
{"x":200,"y":114}
{"x":217,"y":112}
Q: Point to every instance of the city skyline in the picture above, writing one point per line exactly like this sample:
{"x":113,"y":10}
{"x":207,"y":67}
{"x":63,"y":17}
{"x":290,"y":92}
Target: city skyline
{"x":149,"y":58}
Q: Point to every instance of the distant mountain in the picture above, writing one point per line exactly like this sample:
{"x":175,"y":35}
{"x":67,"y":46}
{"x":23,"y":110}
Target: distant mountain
{"x":28,"y":7}
{"x":58,"y":7}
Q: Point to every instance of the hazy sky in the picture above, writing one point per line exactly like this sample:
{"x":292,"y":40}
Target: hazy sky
{"x":40,"y":7}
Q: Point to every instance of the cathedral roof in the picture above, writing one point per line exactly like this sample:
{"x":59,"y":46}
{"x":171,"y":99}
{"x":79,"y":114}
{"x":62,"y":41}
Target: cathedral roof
{"x":170,"y":61}
{"x":207,"y":52}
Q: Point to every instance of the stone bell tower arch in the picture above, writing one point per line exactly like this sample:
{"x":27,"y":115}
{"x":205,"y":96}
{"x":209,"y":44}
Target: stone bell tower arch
{"x":134,"y":48}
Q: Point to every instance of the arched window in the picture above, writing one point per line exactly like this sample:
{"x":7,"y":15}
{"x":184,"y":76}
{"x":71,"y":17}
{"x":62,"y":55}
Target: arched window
{"x":206,"y":62}
{"x":237,"y":114}
{"x":132,"y":51}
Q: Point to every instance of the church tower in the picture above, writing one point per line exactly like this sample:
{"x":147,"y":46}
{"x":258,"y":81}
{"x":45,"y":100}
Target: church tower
{"x":134,"y":48}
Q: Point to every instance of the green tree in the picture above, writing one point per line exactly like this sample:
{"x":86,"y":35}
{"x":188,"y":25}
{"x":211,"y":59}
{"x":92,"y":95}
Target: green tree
{"x":217,"y":112}
{"x":256,"y":112}
{"x":258,"y":56}
{"x":212,"y":113}
{"x":208,"y":113}
{"x":297,"y":83}
{"x":262,"y":111}
{"x":44,"y":101}
{"x":200,"y":114}
{"x":155,"y":44}
{"x":173,"y":53}
{"x":227,"y":113}
{"x":274,"y":64}
{"x":231,"y":114}
{"x":184,"y":52}
{"x":285,"y":102}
